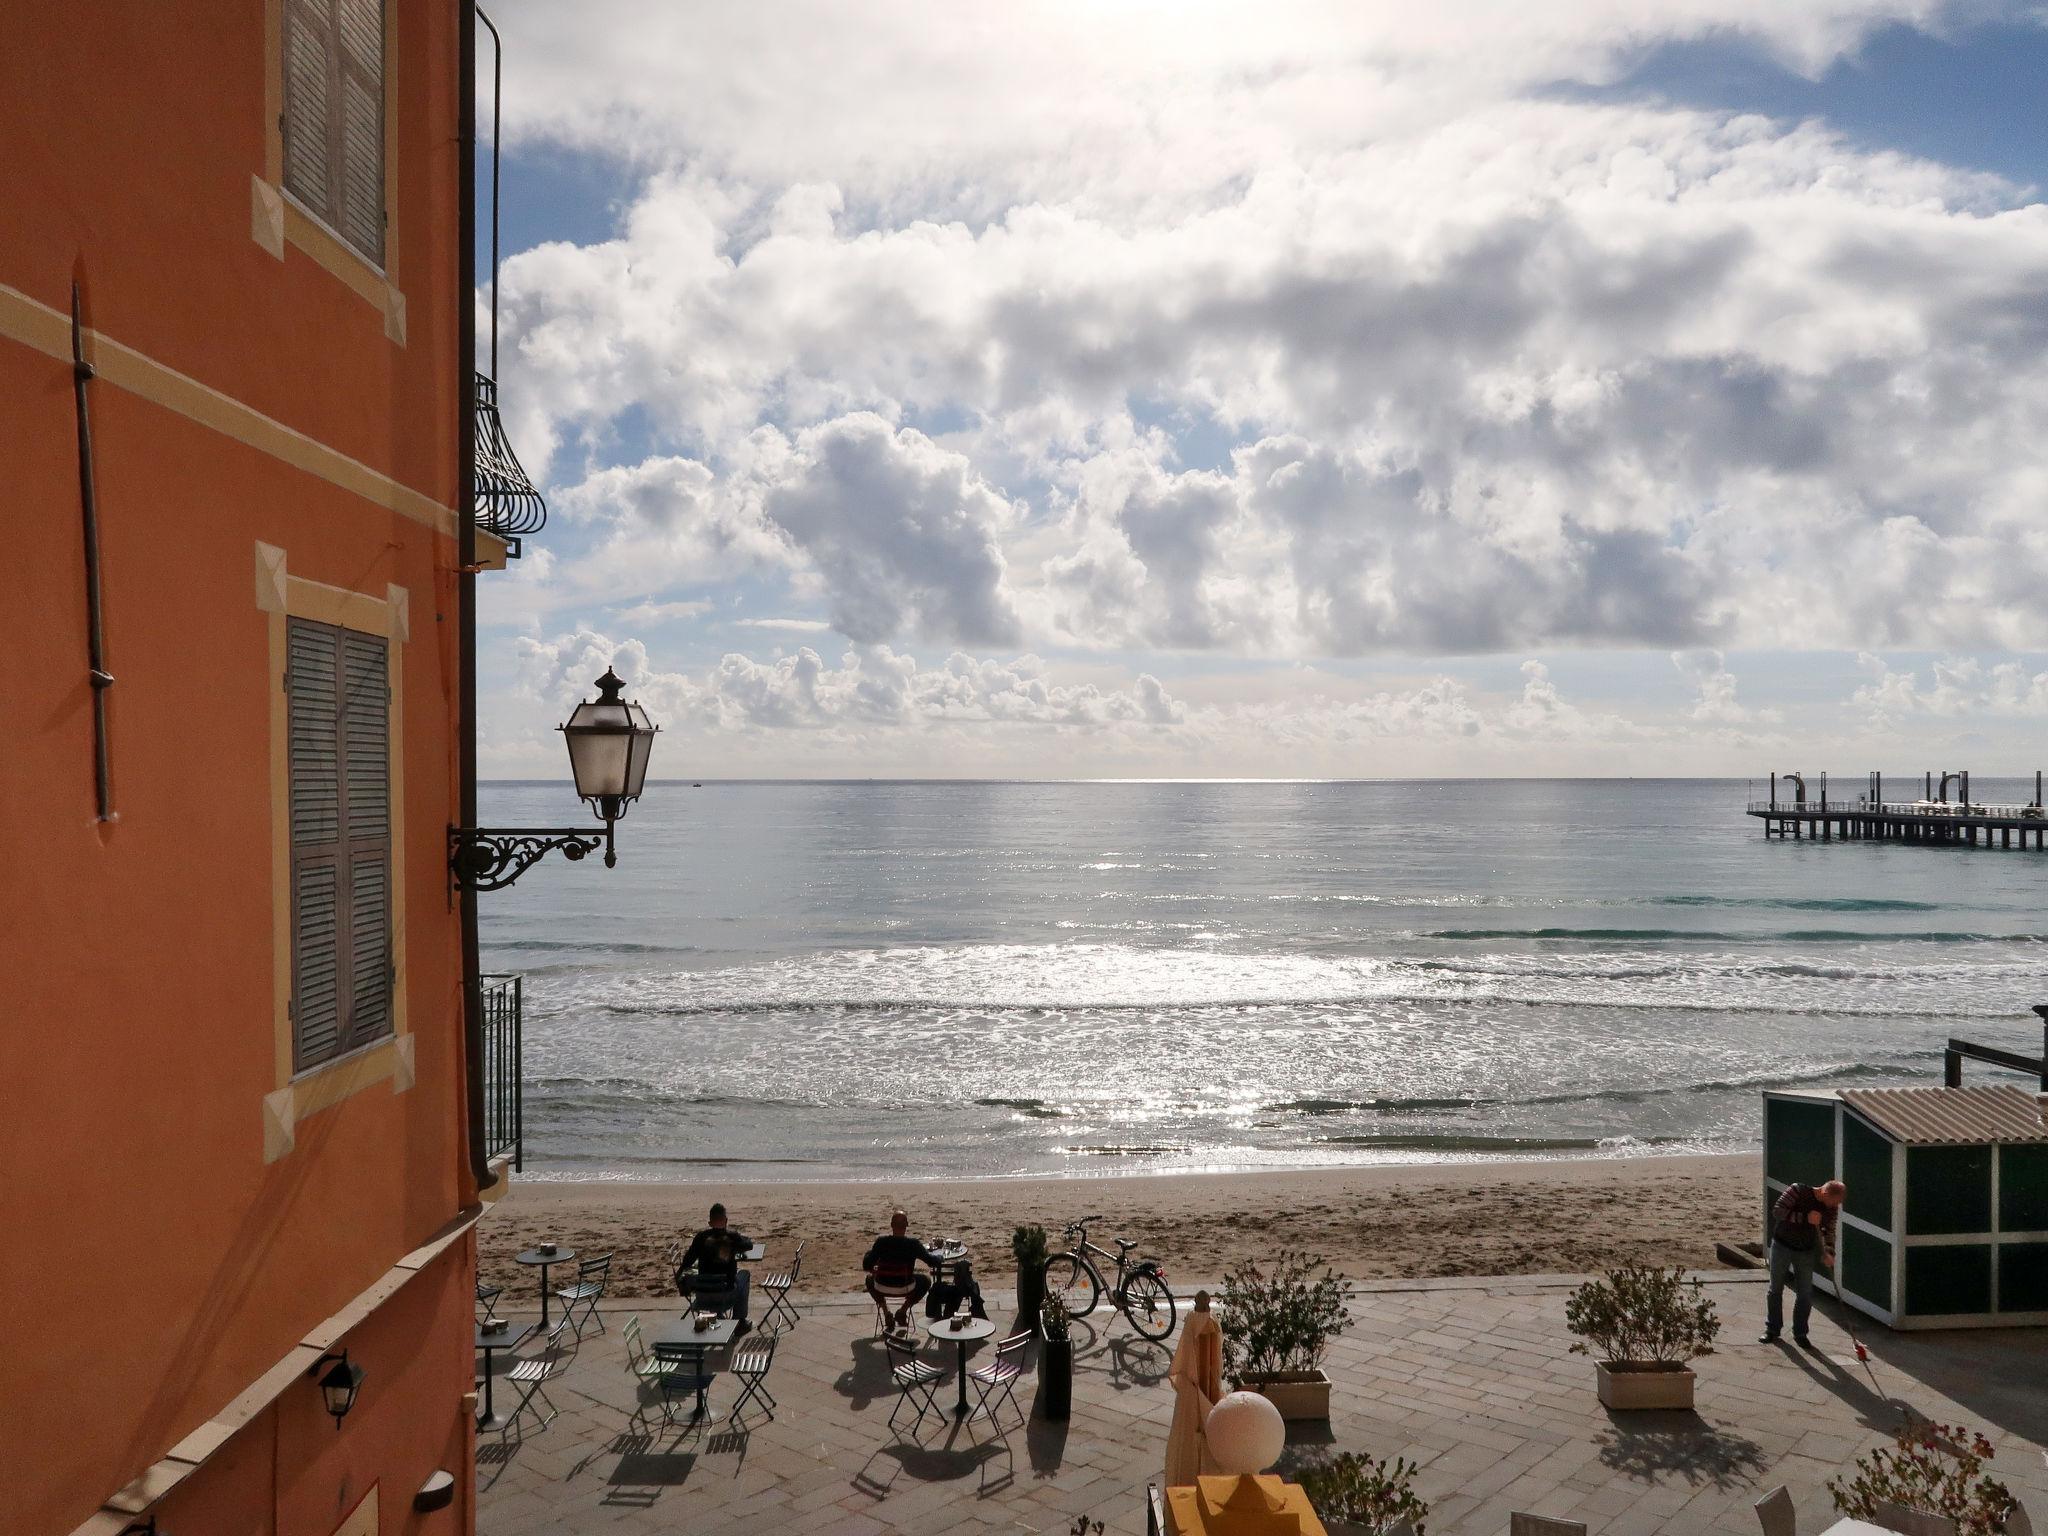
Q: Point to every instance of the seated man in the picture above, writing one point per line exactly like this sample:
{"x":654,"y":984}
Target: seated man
{"x":892,"y":1270}
{"x":711,"y":1264}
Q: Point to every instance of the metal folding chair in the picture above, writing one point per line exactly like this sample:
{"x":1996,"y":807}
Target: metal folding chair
{"x":487,"y":1298}
{"x":996,"y":1382}
{"x":776,"y":1288}
{"x":579,"y":1301}
{"x":884,"y":1292}
{"x":681,"y":1370}
{"x":749,"y":1366}
{"x":916,"y":1381}
{"x":531,"y":1374}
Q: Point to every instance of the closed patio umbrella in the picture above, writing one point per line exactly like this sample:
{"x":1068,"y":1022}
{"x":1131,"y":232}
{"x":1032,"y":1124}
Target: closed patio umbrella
{"x":1197,"y":1377}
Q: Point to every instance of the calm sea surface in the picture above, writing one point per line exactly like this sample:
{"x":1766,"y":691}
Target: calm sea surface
{"x":857,"y":980}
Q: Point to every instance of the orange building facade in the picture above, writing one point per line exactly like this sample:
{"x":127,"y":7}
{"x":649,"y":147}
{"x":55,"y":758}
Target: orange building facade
{"x":237,"y":1136}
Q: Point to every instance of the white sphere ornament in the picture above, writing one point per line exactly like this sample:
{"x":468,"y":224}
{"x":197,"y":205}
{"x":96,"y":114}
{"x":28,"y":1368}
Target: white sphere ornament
{"x":1245,"y":1433}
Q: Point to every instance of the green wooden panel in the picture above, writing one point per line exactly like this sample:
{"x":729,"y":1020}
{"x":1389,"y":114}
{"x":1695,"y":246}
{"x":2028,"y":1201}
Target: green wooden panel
{"x":1801,"y":1137}
{"x":2023,"y":1189}
{"x":1941,"y":1281}
{"x":1948,"y":1189}
{"x":2023,"y":1277}
{"x":1867,"y":1170}
{"x":1866,"y":1263}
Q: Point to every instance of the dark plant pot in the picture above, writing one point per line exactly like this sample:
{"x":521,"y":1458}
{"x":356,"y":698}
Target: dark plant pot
{"x":1031,"y":1296}
{"x":1056,"y":1378}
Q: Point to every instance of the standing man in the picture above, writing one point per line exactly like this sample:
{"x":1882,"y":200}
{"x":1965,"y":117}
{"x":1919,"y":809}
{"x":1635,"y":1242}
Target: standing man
{"x":1803,"y":1224}
{"x":711,"y":1266}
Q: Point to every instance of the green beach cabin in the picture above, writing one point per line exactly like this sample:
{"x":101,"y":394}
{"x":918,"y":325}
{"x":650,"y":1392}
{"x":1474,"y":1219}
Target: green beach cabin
{"x":1946,"y":1221}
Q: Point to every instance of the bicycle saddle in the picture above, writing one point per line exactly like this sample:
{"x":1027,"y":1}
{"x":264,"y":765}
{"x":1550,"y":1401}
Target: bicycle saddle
{"x":1127,"y":1243}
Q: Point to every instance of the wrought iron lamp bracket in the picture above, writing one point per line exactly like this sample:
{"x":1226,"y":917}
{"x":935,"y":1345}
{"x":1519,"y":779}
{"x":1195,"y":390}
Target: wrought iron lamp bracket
{"x":491,"y":858}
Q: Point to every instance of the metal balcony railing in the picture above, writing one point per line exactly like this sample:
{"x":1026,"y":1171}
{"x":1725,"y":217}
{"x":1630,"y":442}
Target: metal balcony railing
{"x":504,"y":1102}
{"x":507,"y":505}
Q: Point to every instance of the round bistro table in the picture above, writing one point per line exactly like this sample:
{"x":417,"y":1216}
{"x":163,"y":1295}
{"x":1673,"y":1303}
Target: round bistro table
{"x":940,"y":1330}
{"x":534,"y":1256}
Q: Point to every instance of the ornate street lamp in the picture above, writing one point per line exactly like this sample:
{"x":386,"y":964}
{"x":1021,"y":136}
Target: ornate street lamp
{"x":338,"y":1383}
{"x":609,"y":741}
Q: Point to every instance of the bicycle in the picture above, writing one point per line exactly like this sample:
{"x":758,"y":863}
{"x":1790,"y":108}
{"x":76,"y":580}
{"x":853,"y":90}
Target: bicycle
{"x":1140,"y":1292}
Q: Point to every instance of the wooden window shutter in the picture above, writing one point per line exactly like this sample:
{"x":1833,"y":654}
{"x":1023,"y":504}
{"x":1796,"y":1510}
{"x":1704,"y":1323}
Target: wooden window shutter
{"x":334,"y":116}
{"x":366,"y":730}
{"x":340,"y":798}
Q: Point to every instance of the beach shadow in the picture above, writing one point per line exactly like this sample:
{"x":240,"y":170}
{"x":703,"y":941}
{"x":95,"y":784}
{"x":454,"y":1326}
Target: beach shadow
{"x":1655,"y":1445}
{"x":868,"y":1376}
{"x":1046,"y":1442}
{"x":1873,"y":1409}
{"x":1138,"y":1362}
{"x":1309,"y":1432}
{"x":642,"y":1476}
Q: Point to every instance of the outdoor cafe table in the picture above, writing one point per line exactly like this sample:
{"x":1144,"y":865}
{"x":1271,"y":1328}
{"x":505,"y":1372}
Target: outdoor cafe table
{"x":940,"y":1330}
{"x":684,"y":1335}
{"x":535,"y":1256}
{"x":949,"y":1253}
{"x":486,"y":1343}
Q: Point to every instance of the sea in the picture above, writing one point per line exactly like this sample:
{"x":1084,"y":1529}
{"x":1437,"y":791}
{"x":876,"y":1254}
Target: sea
{"x":927,"y":980}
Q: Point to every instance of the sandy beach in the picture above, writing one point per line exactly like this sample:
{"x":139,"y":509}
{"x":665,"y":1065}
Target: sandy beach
{"x":1376,"y":1222}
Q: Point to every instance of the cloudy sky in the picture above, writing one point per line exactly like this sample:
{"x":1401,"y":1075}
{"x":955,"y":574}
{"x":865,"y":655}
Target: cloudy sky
{"x":1603,"y":386}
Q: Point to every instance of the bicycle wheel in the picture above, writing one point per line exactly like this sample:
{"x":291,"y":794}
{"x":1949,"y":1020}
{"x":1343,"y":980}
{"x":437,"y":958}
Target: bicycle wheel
{"x":1149,"y":1305}
{"x":1073,"y":1282}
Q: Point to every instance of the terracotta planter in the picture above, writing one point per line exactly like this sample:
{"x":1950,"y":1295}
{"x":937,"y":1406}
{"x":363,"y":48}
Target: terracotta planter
{"x":1625,"y":1385}
{"x":1297,"y":1394}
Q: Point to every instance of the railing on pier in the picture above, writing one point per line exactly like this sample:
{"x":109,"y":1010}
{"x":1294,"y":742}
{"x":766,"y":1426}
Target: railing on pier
{"x":504,"y":1103}
{"x":2013,"y":1061}
{"x":1897,"y":808}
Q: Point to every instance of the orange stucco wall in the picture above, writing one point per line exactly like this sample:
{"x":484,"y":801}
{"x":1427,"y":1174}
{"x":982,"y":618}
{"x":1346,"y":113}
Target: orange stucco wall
{"x":171,"y":1264}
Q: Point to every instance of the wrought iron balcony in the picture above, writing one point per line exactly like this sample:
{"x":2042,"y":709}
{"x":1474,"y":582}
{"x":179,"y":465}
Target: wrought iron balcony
{"x":507,"y":505}
{"x":504,"y":1100}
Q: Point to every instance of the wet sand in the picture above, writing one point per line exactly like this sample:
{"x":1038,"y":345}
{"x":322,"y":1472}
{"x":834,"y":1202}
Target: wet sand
{"x":1380,"y":1222}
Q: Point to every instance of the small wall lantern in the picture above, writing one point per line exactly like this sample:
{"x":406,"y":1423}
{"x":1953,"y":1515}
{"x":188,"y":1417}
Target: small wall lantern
{"x":339,"y":1381}
{"x":609,"y":741}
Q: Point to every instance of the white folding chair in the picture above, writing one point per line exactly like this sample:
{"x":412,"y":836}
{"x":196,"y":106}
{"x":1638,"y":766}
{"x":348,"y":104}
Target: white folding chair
{"x":996,"y":1382}
{"x":579,"y":1300}
{"x":776,"y":1288}
{"x":749,"y":1366}
{"x":1775,"y":1514}
{"x":882,"y":1295}
{"x":917,"y":1382}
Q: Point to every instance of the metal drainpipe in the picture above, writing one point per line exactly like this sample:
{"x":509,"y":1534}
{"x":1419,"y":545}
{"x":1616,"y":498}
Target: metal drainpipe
{"x":465,"y":576}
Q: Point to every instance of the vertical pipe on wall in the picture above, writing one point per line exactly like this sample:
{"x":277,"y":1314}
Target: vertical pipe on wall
{"x":465,"y":572}
{"x":97,"y":675}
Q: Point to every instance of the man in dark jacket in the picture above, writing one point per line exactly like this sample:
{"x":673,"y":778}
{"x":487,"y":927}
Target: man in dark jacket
{"x":892,"y":1263}
{"x":711,"y":1265}
{"x":1803,"y":1224}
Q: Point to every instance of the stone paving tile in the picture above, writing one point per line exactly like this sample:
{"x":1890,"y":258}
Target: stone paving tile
{"x":1472,"y":1379}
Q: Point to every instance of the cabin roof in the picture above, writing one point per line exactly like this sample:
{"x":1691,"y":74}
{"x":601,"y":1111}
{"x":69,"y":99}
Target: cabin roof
{"x":1951,"y":1116}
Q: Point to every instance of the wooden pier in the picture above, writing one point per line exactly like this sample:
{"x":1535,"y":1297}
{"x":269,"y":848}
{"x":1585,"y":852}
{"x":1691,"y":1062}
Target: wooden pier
{"x":1933,"y":818}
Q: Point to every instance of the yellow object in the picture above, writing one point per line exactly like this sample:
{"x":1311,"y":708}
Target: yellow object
{"x":1261,"y":1505}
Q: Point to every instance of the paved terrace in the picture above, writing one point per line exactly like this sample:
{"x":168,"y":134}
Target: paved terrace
{"x":1471,"y":1378}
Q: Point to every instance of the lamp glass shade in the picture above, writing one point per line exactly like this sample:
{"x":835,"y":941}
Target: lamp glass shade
{"x":338,"y":1386}
{"x":609,"y":744}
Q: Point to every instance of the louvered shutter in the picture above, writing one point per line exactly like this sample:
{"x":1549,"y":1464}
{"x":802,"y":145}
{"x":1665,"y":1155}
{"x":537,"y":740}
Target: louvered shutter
{"x":314,"y":681}
{"x":366,"y":731}
{"x":359,"y":192}
{"x":340,"y":797}
{"x":334,"y":115}
{"x":308,"y":102}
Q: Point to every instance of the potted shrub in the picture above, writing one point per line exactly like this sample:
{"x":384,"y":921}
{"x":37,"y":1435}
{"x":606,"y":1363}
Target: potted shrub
{"x":1645,"y":1324}
{"x":1055,"y":1361}
{"x":1277,"y":1321}
{"x":1935,"y":1469}
{"x":1357,"y":1495}
{"x":1028,"y":1245}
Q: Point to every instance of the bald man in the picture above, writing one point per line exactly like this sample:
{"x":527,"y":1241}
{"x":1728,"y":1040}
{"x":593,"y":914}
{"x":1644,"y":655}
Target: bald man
{"x":1803,"y":1224}
{"x":892,"y":1262}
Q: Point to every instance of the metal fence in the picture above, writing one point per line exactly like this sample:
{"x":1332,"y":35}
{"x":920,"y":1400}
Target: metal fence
{"x":503,"y":1102}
